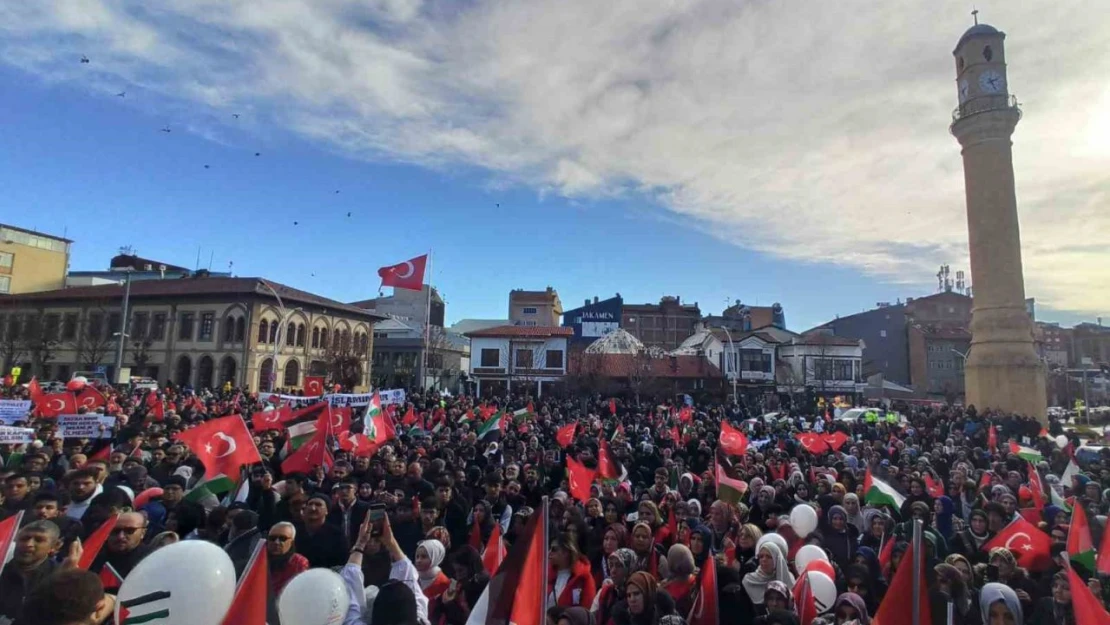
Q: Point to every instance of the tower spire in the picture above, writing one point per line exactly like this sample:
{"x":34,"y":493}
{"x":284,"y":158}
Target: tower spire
{"x":975,"y":16}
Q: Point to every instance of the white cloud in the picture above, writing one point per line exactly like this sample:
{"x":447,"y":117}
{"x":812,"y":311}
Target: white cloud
{"x":809,"y":131}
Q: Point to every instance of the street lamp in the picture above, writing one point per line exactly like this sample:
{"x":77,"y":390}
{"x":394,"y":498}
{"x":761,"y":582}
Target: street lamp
{"x":122,"y":334}
{"x":281,"y":329}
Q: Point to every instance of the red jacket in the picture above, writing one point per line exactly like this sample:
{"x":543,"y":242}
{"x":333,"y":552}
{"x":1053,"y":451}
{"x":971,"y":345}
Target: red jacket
{"x":295,"y":566}
{"x":580,"y":580}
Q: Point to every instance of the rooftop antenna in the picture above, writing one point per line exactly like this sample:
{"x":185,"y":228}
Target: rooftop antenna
{"x":230,"y":264}
{"x":975,"y":15}
{"x":197,"y":265}
{"x":210,"y":257}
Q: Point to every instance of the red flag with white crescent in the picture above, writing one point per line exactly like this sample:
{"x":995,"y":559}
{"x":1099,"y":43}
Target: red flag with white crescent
{"x":407,"y":275}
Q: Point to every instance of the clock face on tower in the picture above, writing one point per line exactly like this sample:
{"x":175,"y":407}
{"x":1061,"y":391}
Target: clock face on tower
{"x":991,"y":81}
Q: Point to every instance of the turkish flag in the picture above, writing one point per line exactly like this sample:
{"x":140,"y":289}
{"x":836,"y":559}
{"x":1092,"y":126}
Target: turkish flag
{"x":110,"y":578}
{"x":248,"y":607}
{"x":35,"y":390}
{"x":406,"y":275}
{"x":53,"y":404}
{"x":813,"y":443}
{"x":271,"y":420}
{"x":896,"y":606}
{"x":313,"y":385}
{"x":580,"y":479}
{"x":360,"y":445}
{"x":686,"y":414}
{"x":410,"y":416}
{"x":307,"y":457}
{"x":565,"y":435}
{"x":222,"y":445}
{"x":935,"y":488}
{"x":495,"y":550}
{"x":605,"y":467}
{"x":835,"y":440}
{"x":704,"y":611}
{"x":334,"y":421}
{"x":732,"y":441}
{"x":90,"y":399}
{"x":992,"y":439}
{"x":1031,"y":547}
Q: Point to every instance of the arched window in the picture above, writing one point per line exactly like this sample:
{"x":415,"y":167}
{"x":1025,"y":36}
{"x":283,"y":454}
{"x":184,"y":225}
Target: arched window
{"x":266,"y":375}
{"x":240,"y":329}
{"x":292,"y":374}
{"x":324,"y":338}
{"x":300,"y":335}
{"x":345,"y":341}
{"x":273,"y":332}
{"x":227,"y":369}
{"x":183,"y":374}
{"x":205,"y":368}
{"x":263,"y":330}
{"x":315,"y":338}
{"x":290,"y":334}
{"x":229,"y":330}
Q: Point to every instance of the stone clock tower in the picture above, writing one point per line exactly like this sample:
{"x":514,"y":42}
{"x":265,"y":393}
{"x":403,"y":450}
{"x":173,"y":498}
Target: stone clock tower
{"x":1003,"y":371}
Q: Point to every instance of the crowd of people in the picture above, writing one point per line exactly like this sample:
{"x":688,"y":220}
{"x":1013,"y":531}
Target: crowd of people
{"x":409,"y":524}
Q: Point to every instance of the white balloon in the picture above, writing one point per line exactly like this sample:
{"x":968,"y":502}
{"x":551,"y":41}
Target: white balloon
{"x":808,"y":554}
{"x":315,"y":597}
{"x":1061,"y":441}
{"x":192,"y":582}
{"x":824,"y":591}
{"x":803,"y":518}
{"x":82,"y":379}
{"x":777,"y":539}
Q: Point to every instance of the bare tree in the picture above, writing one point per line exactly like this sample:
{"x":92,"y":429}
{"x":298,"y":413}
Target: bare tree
{"x":140,"y":354}
{"x":95,"y":339}
{"x":344,"y":362}
{"x":437,"y":352}
{"x":642,"y":367}
{"x":40,"y":340}
{"x":12,"y":347}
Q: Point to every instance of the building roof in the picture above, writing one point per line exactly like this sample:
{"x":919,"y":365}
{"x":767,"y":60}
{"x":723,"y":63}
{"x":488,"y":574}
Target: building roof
{"x":978,"y":30}
{"x":462,"y":326}
{"x":123,"y":261}
{"x":618,"y":341}
{"x":944,"y":332}
{"x":644,"y":365}
{"x":195,"y":287}
{"x":510,"y":331}
{"x":35,"y":232}
{"x":820,"y":338}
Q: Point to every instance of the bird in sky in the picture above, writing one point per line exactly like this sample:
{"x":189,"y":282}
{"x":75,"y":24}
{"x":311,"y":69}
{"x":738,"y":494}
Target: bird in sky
{"x":258,"y":153}
{"x":294,"y":223}
{"x":121,"y":94}
{"x":348,"y":214}
{"x":206,"y":166}
{"x":166,"y":129}
{"x":337,"y":191}
{"x":235,"y":115}
{"x":84,"y":59}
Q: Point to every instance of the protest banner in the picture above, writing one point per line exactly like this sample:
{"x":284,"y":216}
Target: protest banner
{"x":85,"y":426}
{"x":15,"y":436}
{"x":12,"y":410}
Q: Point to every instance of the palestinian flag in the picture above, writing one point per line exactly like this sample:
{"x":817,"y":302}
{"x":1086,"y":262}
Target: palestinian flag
{"x":1086,"y":606}
{"x":1081,"y":548}
{"x":1071,"y":471}
{"x":880,"y":493}
{"x":516,"y":593}
{"x":1026,"y":453}
{"x":524,"y":414}
{"x":212,"y":488}
{"x":467,"y":417}
{"x":299,"y":434}
{"x":491,"y":428}
{"x":729,"y":489}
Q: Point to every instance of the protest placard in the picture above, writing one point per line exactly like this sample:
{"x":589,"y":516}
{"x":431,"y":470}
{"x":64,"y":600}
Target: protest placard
{"x":15,"y":436}
{"x":85,"y":426}
{"x":12,"y":410}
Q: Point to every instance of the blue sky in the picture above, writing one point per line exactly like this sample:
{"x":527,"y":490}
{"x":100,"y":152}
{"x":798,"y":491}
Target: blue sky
{"x":689,"y":172}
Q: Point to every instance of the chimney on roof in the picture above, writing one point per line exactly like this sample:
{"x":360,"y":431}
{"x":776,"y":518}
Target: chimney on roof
{"x":587,"y":301}
{"x":595,"y":299}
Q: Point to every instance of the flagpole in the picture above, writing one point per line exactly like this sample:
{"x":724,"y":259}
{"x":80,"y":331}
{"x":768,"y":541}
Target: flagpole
{"x":917,"y":559}
{"x":427,"y":327}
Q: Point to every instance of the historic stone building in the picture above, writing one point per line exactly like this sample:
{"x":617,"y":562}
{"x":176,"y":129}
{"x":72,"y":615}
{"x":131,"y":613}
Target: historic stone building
{"x":200,"y":331}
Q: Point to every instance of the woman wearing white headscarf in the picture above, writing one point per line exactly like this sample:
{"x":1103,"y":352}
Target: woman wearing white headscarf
{"x":772,"y":566}
{"x":429,"y":555}
{"x":999,"y":605}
